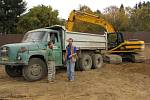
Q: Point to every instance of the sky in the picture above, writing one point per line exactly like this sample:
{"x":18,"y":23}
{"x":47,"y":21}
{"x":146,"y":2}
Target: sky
{"x":66,"y":6}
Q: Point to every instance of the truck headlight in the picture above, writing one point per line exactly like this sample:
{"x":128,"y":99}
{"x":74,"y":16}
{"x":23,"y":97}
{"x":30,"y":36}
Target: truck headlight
{"x":22,"y":50}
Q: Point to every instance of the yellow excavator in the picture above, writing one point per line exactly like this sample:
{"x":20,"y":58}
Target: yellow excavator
{"x":116,"y":43}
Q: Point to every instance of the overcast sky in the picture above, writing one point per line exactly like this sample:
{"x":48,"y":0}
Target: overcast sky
{"x":66,"y":6}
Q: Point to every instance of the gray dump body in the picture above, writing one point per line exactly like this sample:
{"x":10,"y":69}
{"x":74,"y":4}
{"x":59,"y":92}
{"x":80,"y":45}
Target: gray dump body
{"x":87,"y":41}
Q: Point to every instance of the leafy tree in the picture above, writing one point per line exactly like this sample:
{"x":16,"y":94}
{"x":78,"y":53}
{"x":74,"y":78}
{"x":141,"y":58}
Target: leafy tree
{"x":111,"y":15}
{"x":140,"y":17}
{"x":140,"y":5}
{"x":123,"y":19}
{"x":121,"y":9}
{"x":98,"y":13}
{"x":85,"y":8}
{"x":37,"y":17}
{"x":10,"y":10}
{"x":118,"y":17}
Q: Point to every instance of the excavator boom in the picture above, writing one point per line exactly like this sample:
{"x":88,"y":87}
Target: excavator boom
{"x":83,"y":16}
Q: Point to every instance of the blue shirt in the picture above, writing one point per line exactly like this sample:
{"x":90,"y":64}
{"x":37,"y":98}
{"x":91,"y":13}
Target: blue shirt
{"x":69,"y":51}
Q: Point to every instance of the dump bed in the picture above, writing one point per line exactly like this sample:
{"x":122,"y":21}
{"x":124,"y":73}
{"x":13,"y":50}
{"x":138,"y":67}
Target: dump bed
{"x":87,"y":40}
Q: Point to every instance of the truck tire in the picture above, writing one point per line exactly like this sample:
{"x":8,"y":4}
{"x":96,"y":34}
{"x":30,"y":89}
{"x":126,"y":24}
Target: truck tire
{"x":97,"y":61}
{"x":13,"y":71}
{"x":36,"y":70}
{"x":85,"y":62}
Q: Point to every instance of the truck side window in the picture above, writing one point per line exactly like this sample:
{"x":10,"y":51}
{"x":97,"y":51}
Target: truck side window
{"x":53,"y":37}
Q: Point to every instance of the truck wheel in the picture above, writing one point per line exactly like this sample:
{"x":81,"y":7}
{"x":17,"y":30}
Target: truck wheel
{"x":97,"y":61}
{"x":86,"y":62}
{"x":13,"y":71}
{"x":36,"y":70}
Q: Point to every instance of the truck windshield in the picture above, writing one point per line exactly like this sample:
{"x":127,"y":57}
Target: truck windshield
{"x":33,"y":36}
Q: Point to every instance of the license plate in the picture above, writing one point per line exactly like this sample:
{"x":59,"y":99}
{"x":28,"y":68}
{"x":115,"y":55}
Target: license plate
{"x":4,"y":59}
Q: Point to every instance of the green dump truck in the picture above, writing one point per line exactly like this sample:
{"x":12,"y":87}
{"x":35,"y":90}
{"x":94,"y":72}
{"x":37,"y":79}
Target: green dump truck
{"x":28,"y":58}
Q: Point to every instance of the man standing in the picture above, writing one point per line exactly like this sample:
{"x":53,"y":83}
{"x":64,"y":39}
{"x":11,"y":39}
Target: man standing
{"x":70,"y":59}
{"x":51,"y":63}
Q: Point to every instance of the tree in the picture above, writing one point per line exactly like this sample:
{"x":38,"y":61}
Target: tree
{"x":140,"y":5}
{"x":111,"y":15}
{"x":85,"y":8}
{"x":121,"y":9}
{"x":140,"y":17}
{"x":37,"y":17}
{"x":118,"y":17}
{"x":123,"y":19}
{"x":10,"y":10}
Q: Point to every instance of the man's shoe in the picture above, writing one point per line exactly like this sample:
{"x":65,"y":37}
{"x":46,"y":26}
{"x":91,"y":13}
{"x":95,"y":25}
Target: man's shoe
{"x":51,"y":81}
{"x":71,"y":80}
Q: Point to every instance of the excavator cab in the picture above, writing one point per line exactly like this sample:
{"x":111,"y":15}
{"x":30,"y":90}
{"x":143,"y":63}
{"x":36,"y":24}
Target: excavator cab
{"x":114,"y":39}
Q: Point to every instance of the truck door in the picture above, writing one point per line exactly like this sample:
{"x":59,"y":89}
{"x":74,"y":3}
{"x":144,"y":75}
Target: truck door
{"x":54,"y":37}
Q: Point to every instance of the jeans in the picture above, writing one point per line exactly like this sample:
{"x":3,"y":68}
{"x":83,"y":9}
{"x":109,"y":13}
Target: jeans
{"x":70,"y":69}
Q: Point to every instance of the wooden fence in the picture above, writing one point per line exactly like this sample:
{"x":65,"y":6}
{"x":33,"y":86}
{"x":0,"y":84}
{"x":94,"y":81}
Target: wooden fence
{"x":14,"y":38}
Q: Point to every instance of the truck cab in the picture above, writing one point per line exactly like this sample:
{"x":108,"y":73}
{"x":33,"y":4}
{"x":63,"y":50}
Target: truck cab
{"x":29,"y":58}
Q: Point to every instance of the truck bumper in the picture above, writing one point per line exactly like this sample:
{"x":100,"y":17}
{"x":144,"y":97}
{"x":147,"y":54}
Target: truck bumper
{"x":13,"y":63}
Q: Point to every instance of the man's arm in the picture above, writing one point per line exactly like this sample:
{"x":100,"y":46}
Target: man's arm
{"x":74,"y":52}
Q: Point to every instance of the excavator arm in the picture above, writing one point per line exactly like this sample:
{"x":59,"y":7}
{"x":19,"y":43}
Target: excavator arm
{"x":85,"y":17}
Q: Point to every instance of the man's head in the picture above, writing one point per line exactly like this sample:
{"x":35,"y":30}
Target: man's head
{"x":70,"y":40}
{"x":50,"y":45}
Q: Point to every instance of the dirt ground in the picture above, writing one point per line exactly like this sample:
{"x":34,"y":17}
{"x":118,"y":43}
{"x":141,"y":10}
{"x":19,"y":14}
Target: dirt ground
{"x":112,"y":82}
{"x":127,"y":81}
